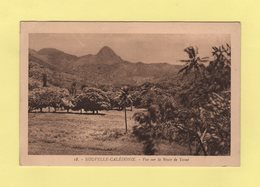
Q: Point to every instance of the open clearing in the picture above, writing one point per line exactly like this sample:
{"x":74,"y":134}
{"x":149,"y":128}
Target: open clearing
{"x":86,"y":134}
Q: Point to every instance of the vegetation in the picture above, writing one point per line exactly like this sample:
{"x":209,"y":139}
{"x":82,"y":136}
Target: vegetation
{"x":192,"y":110}
{"x":92,"y":99}
{"x":124,"y":101}
{"x":40,"y":98}
{"x":72,"y":134}
{"x":201,"y":117}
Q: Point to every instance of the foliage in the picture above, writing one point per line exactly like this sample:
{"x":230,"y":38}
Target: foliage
{"x":215,"y":77}
{"x":73,"y":89}
{"x":55,"y":78}
{"x":33,"y":83}
{"x":92,"y":99}
{"x":195,"y":111}
{"x":114,"y":97}
{"x":194,"y":62}
{"x":200,"y":116}
{"x":124,"y":97}
{"x":151,"y":124}
{"x":149,"y":94}
{"x":67,"y":103}
{"x":40,"y":98}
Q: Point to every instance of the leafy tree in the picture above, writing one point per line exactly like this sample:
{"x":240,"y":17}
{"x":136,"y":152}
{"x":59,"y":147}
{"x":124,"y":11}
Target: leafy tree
{"x":92,"y":99}
{"x":209,"y":100}
{"x":219,"y":70}
{"x":67,"y":103}
{"x":149,"y":94}
{"x":114,"y":97}
{"x":200,"y":118}
{"x":151,"y":124}
{"x":40,"y":98}
{"x":216,"y":78}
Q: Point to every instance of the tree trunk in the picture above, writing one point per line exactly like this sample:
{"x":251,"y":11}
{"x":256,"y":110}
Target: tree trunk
{"x":125,"y":121}
{"x":201,"y":146}
{"x":49,"y":109}
{"x":68,"y":110}
{"x":190,"y":149}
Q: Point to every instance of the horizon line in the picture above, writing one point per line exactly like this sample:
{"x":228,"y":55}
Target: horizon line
{"x":144,"y":62}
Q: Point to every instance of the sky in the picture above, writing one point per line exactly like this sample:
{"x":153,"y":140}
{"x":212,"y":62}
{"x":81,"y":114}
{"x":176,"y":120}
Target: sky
{"x":147,"y":48}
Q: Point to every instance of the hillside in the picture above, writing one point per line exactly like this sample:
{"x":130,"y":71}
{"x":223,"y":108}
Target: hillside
{"x":103,"y":68}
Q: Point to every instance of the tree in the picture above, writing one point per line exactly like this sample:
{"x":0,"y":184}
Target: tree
{"x":208,"y":102}
{"x":44,"y":79}
{"x":219,"y":70}
{"x":194,"y":63}
{"x":200,"y":117}
{"x":148,"y":94}
{"x":73,"y":89}
{"x":114,"y":97}
{"x":151,"y":124}
{"x":67,"y":103}
{"x":92,"y":99}
{"x":40,"y":98}
{"x":125,"y":99}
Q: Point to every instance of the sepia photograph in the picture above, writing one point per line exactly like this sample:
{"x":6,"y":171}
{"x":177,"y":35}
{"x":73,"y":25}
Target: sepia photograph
{"x":119,"y":93}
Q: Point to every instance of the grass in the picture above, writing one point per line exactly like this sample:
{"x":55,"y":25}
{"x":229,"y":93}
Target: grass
{"x":83,"y":134}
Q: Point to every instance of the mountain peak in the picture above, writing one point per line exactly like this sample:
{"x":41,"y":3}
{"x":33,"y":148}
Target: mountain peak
{"x":106,"y":54}
{"x":106,"y":51}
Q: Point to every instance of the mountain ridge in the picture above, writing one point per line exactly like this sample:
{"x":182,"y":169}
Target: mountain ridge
{"x":104,"y":67}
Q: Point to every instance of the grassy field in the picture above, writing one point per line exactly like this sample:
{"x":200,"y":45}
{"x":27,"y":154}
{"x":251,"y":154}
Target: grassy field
{"x":85,"y":134}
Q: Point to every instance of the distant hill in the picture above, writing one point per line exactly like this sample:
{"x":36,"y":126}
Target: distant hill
{"x":103,"y":68}
{"x":46,"y":61}
{"x":54,"y":57}
{"x":105,"y":56}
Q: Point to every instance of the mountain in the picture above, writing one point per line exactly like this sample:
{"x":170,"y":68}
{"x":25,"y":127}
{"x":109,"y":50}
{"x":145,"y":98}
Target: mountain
{"x":103,"y":68}
{"x":56,"y":58}
{"x":39,"y":59}
{"x":46,"y":61}
{"x":105,"y":56}
{"x":108,"y":56}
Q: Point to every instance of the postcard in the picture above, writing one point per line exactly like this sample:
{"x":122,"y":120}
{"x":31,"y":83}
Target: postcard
{"x":130,"y":93}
